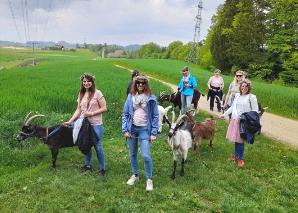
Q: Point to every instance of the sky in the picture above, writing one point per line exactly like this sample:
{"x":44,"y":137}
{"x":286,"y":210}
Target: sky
{"x":121,"y":22}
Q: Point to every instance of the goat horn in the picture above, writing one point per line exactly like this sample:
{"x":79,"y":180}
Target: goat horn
{"x":166,"y":110}
{"x":173,"y":116}
{"x":180,"y":118}
{"x":27,"y":116}
{"x":30,"y":119}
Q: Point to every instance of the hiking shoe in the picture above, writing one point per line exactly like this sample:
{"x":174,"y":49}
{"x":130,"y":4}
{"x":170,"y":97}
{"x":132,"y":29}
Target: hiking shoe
{"x":240,"y":163}
{"x":86,"y":168}
{"x":233,"y":158}
{"x":149,"y":185}
{"x":132,"y":180}
{"x":102,"y":172}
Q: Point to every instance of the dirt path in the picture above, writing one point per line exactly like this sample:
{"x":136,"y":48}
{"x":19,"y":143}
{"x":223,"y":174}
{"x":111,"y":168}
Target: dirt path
{"x":283,"y":129}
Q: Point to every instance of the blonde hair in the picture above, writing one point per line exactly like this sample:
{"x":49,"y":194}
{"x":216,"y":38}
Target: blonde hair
{"x":217,"y":71}
{"x":239,"y":72}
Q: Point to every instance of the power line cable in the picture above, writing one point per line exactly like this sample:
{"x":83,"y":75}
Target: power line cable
{"x":24,"y":20}
{"x":14,"y":19}
{"x":27,"y":19}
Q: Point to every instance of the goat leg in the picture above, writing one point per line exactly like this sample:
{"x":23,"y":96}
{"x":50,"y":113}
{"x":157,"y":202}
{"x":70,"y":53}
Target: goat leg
{"x":210,"y":143}
{"x":182,"y":167}
{"x":55,"y":152}
{"x":173,"y":176}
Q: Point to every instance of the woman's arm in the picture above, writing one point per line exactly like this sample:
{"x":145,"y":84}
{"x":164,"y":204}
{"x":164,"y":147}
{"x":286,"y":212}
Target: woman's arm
{"x":75,"y":115}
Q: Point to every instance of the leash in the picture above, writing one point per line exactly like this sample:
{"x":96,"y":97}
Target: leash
{"x":51,"y":133}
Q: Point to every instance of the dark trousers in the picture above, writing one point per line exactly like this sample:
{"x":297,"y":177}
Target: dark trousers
{"x":239,"y":151}
{"x":212,"y":93}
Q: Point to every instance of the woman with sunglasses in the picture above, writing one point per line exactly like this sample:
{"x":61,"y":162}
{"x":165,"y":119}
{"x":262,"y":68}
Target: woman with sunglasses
{"x":234,"y":88}
{"x":140,"y":125}
{"x":243,"y":102}
{"x":186,"y":86}
{"x":91,"y":105}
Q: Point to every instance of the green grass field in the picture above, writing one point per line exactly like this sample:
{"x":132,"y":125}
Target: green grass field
{"x":280,"y":99}
{"x":267,"y":183}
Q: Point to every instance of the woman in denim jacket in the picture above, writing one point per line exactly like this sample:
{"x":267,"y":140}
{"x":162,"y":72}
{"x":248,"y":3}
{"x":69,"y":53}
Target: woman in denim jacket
{"x":140,"y":125}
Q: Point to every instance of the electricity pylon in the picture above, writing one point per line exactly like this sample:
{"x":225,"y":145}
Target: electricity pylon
{"x":193,"y":54}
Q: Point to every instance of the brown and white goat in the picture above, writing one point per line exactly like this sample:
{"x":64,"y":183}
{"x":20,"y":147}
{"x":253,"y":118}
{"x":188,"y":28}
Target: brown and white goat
{"x":180,"y":141}
{"x":201,"y":130}
{"x":55,"y":137}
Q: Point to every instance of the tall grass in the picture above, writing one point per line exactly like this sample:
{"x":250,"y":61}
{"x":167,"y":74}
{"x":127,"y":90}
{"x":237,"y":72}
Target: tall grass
{"x":280,"y":99}
{"x":267,"y":183}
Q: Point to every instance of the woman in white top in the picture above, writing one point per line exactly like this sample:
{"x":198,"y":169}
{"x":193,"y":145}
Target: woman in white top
{"x":215,"y":85}
{"x":243,"y":102}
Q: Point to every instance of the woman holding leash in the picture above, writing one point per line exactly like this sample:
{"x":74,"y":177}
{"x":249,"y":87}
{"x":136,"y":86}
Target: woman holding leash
{"x":243,"y":102}
{"x":140,"y":125}
{"x":215,"y":85}
{"x":186,"y":86}
{"x":91,"y":105}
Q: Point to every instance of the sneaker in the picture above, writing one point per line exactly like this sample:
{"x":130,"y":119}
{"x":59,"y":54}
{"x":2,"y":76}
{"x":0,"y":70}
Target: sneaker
{"x":102,"y":172}
{"x":132,"y":180}
{"x":149,"y":185}
{"x":86,"y":168}
{"x":240,"y":163}
{"x":233,"y":158}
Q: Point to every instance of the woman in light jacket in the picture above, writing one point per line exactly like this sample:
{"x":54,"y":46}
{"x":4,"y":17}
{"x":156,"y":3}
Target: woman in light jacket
{"x":140,"y":125}
{"x":243,"y":102}
{"x":186,"y":86}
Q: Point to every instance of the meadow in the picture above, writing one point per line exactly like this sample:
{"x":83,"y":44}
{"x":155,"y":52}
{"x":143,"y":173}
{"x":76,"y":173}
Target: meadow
{"x":281,"y":100}
{"x":267,"y":183}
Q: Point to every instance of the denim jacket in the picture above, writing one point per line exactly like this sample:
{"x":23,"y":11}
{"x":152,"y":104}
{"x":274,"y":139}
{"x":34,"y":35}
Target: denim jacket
{"x":152,"y":115}
{"x":188,"y":90}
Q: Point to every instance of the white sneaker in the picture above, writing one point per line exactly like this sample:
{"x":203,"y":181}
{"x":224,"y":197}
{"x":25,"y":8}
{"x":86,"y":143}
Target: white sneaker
{"x":149,"y":185}
{"x":132,"y":180}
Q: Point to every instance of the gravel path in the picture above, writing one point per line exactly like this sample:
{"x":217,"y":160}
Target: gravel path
{"x":283,"y":129}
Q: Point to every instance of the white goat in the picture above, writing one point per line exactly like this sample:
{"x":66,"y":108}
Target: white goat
{"x":180,"y":141}
{"x":162,"y":116}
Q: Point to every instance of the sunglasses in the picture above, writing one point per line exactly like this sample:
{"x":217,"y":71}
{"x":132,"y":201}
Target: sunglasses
{"x":238,"y":75}
{"x":141,"y":82}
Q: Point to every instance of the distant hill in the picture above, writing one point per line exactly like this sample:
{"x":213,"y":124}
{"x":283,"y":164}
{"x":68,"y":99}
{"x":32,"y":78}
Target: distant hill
{"x":39,"y":44}
{"x":132,"y":47}
{"x":42,"y":44}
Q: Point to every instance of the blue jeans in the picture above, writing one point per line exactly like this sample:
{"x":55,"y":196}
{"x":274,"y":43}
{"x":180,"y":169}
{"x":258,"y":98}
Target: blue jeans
{"x":140,"y":134}
{"x":186,"y":102}
{"x":239,"y":151}
{"x":98,"y":148}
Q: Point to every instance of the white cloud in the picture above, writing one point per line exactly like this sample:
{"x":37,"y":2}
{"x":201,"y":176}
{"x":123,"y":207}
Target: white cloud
{"x":119,"y":22}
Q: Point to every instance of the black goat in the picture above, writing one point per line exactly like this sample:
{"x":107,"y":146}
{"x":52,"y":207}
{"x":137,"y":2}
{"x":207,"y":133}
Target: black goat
{"x":55,"y":137}
{"x":175,"y":98}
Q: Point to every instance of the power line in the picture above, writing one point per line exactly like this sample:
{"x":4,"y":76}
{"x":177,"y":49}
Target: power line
{"x":24,"y":20}
{"x":27,"y":19}
{"x":14,"y":19}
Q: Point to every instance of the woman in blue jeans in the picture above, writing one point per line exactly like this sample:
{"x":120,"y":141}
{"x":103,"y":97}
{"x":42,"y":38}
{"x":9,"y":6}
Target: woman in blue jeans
{"x":139,"y":126}
{"x":91,"y":104}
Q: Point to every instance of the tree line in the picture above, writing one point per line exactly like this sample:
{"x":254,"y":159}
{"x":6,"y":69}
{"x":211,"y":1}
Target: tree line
{"x":258,"y":36}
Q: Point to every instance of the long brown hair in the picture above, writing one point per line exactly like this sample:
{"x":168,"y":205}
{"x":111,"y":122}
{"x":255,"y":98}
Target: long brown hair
{"x":90,"y":78}
{"x":248,"y":84}
{"x":147,"y":89}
